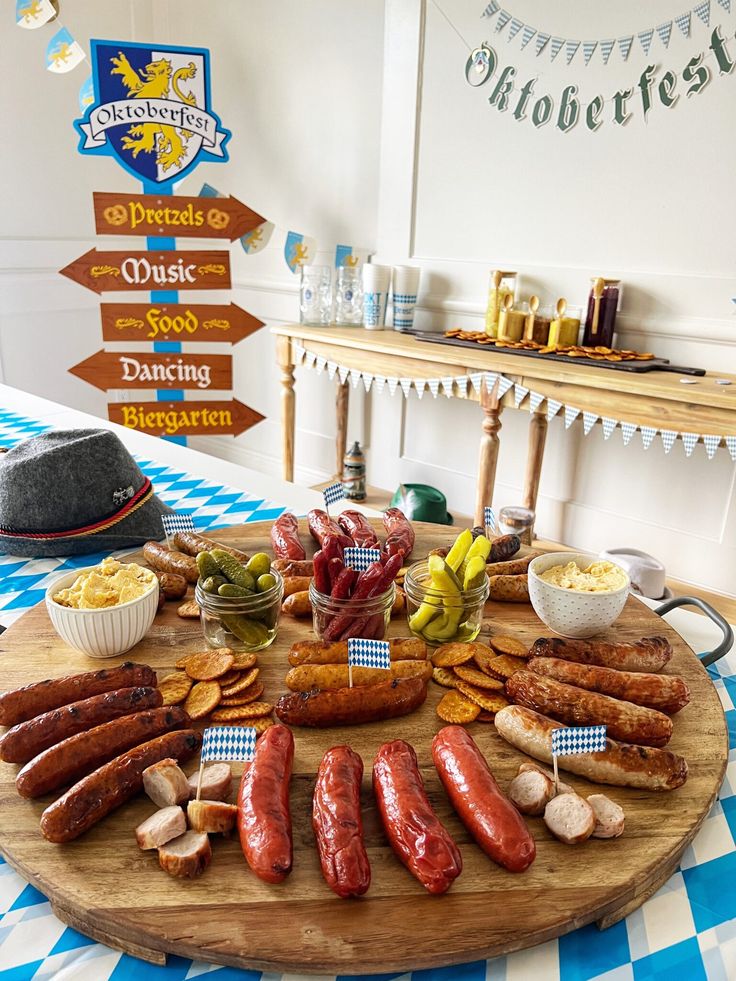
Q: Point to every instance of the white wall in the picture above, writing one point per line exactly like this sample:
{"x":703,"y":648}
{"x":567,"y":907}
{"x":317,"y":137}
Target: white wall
{"x":422,"y":168}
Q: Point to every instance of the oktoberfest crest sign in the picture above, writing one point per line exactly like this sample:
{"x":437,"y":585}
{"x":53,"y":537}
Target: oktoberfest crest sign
{"x":152,"y":110}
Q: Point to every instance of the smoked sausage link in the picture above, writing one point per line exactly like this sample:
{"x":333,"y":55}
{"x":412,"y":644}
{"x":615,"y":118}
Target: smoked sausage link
{"x":358,"y":527}
{"x":414,"y":831}
{"x":26,"y":740}
{"x":338,"y":823}
{"x":486,"y":812}
{"x":399,"y":533}
{"x":264,"y":819}
{"x":75,"y":757}
{"x":22,"y":704}
{"x":192,"y":544}
{"x":647,"y":654}
{"x":162,"y":559}
{"x":322,"y":526}
{"x":104,"y":790}
{"x":285,"y":540}
{"x":352,"y":706}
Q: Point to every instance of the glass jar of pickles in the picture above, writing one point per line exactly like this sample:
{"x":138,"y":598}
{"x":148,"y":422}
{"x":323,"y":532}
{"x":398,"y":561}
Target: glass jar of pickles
{"x":502,"y":284}
{"x":603,"y":304}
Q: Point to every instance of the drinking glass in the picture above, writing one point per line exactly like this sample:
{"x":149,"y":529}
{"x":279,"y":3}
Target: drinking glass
{"x":315,"y":295}
{"x":349,"y":296}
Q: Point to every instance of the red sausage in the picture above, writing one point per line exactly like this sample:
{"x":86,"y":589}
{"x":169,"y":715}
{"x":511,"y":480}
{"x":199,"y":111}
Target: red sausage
{"x":488,"y":814}
{"x":264,"y":819}
{"x":42,"y":696}
{"x":413,"y":829}
{"x":399,"y":533}
{"x":359,"y":528}
{"x":26,"y":740}
{"x":322,"y":526}
{"x":285,"y":538}
{"x":338,"y":823}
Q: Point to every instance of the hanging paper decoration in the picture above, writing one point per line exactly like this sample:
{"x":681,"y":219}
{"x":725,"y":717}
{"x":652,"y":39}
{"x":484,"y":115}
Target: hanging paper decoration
{"x":354,"y":377}
{"x":258,"y":239}
{"x":299,"y":250}
{"x":331,"y":369}
{"x":393,"y":384}
{"x":347,"y":255}
{"x":703,"y":12}
{"x":689,"y":441}
{"x":541,"y":42}
{"x":379,"y":383}
{"x":526,"y":35}
{"x":86,"y":95}
{"x":320,"y":364}
{"x":665,"y":32}
{"x":63,"y":54}
{"x":731,"y":444}
{"x":405,"y":386}
{"x":367,"y":380}
{"x":668,"y":439}
{"x":535,"y":400}
{"x":520,"y":393}
{"x":434,"y":386}
{"x":571,"y":415}
{"x":683,"y":22}
{"x":476,"y":380}
{"x":711,"y":444}
{"x":555,"y":47}
{"x":553,"y":407}
{"x":491,"y":9}
{"x":608,"y":426}
{"x":490,"y":381}
{"x":645,"y":39}
{"x":343,"y":373}
{"x":419,"y":387}
{"x":647,"y":435}
{"x":627,"y":431}
{"x":589,"y":420}
{"x":726,"y":4}
{"x":503,"y":18}
{"x":606,"y":49}
{"x":516,"y":26}
{"x":503,"y":386}
{"x":571,"y":48}
{"x":588,"y":49}
{"x":31,"y":14}
{"x":624,"y":46}
{"x":447,"y":384}
{"x":309,"y":358}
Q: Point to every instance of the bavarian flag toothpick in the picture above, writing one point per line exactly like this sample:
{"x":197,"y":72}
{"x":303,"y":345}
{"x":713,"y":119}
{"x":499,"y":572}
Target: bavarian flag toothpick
{"x":226,"y":744}
{"x":176,"y":522}
{"x":366,"y":653}
{"x":333,"y":494}
{"x":569,"y":740}
{"x":489,"y":518}
{"x":360,"y":558}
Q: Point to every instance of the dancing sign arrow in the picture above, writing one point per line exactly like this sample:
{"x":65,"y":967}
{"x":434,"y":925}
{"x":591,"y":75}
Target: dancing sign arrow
{"x":178,"y":217}
{"x":111,"y":369}
{"x":113,"y":271}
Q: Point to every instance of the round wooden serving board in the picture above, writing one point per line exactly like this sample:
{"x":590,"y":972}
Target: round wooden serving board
{"x":106,"y":887}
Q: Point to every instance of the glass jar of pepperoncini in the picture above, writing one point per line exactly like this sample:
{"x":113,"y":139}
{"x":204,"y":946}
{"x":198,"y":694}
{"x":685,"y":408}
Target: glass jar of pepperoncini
{"x":502,"y":284}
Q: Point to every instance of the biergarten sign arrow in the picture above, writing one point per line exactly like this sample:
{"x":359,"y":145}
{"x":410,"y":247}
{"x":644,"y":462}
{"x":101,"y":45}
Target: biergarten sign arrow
{"x":179,"y":217}
{"x":160,"y":370}
{"x":177,"y":322}
{"x":153,"y":270}
{"x":230,"y":418}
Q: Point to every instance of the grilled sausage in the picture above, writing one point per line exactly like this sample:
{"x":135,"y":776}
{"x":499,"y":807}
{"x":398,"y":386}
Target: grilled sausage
{"x":191,"y":544}
{"x":160,"y":827}
{"x":400,"y":535}
{"x":323,"y":652}
{"x":25,"y":703}
{"x":285,"y":540}
{"x":514,"y":567}
{"x":358,"y":527}
{"x":104,"y":790}
{"x":352,"y":706}
{"x":620,"y":764}
{"x":26,"y":740}
{"x":503,"y":547}
{"x":414,"y":831}
{"x":578,"y":707}
{"x":307,"y":677}
{"x":338,"y":823}
{"x":322,"y":526}
{"x":508,"y":589}
{"x":173,"y":587}
{"x":647,"y":654}
{"x":162,"y":559}
{"x":486,"y":812}
{"x":665,"y":692}
{"x":213,"y":817}
{"x":297,"y":605}
{"x":293,"y":567}
{"x":264,"y":819}
{"x":296,"y":584}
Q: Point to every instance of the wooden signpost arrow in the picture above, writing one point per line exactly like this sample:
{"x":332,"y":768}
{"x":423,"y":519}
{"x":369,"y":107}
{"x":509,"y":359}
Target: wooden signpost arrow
{"x":114,"y":271}
{"x":160,"y":370}
{"x":154,"y":214}
{"x":177,"y":321}
{"x":230,"y":418}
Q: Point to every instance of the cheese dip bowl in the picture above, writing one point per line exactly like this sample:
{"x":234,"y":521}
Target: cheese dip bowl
{"x":575,"y":594}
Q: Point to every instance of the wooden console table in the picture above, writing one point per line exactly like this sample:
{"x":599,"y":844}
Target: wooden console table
{"x":653,"y":399}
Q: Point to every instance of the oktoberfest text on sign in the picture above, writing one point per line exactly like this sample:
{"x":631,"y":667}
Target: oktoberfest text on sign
{"x":176,"y":322}
{"x":228,"y":418}
{"x":110,"y":369}
{"x":153,"y":214}
{"x":107,"y":271}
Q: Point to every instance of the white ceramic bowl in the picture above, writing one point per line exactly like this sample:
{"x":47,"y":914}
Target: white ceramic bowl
{"x":566,"y":611}
{"x":107,"y":632}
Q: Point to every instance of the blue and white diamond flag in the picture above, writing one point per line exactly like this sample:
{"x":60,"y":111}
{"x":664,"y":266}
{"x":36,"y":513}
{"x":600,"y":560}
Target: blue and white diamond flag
{"x":228,"y":743}
{"x":608,"y":426}
{"x":526,"y":35}
{"x":364,"y":653}
{"x":664,"y":30}
{"x":571,"y":414}
{"x":520,"y":393}
{"x":668,"y":439}
{"x":628,"y":429}
{"x":647,"y":435}
{"x":589,"y":420}
{"x":541,"y":42}
{"x":176,"y":522}
{"x":569,"y":740}
{"x":447,"y":384}
{"x":606,"y":49}
{"x":333,"y":494}
{"x":406,"y":386}
{"x":731,"y":444}
{"x":683,"y":22}
{"x":489,"y":518}
{"x":726,"y":4}
{"x":712,"y":442}
{"x":535,"y":400}
{"x":555,"y":47}
{"x":361,"y":558}
{"x":703,"y":12}
{"x":689,"y":441}
{"x":503,"y":18}
{"x":434,"y":386}
{"x":504,"y":384}
{"x":476,"y":380}
{"x":553,"y":407}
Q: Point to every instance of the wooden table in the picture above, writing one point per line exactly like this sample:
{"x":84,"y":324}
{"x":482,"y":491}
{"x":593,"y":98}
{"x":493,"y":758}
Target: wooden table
{"x":652,"y":399}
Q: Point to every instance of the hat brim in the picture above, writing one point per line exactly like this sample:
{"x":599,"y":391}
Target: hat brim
{"x":143,"y":525}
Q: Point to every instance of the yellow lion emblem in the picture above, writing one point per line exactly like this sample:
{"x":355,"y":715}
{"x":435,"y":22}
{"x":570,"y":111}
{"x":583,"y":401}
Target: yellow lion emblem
{"x":153,"y":81}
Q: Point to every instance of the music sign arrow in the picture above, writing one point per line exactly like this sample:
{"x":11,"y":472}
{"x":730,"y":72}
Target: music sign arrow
{"x":113,"y":271}
{"x":184,"y":418}
{"x":108,"y":369}
{"x":158,"y":214}
{"x":177,"y":321}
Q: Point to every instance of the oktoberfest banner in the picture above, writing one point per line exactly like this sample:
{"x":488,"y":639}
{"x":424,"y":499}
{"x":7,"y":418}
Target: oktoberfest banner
{"x":30,"y":14}
{"x":63,"y":54}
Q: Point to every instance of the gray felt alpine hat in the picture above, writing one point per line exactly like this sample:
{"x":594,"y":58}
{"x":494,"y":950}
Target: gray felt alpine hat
{"x":72,"y":492}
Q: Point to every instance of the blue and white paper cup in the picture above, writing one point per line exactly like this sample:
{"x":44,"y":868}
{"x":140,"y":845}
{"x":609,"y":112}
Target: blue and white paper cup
{"x":406,"y":288}
{"x":376,"y":286}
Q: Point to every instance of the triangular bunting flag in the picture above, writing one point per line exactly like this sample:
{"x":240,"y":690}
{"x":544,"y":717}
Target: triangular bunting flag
{"x":555,"y":47}
{"x":516,"y":26}
{"x":503,"y":385}
{"x":527,"y":34}
{"x":354,"y":377}
{"x":683,"y":22}
{"x":541,"y":42}
{"x":689,"y":441}
{"x":571,"y":49}
{"x":393,"y":384}
{"x":434,"y":385}
{"x":503,"y":18}
{"x":299,"y":353}
{"x":520,"y":393}
{"x":624,"y":46}
{"x":665,"y":32}
{"x":589,"y":420}
{"x":476,"y":379}
{"x":628,"y":429}
{"x":731,"y":444}
{"x":461,"y":384}
{"x":645,"y":39}
{"x":447,"y":384}
{"x":588,"y":49}
{"x":331,"y":369}
{"x":535,"y":400}
{"x":309,"y":358}
{"x":606,"y":49}
{"x":405,"y":386}
{"x":553,"y":407}
{"x":367,"y":380}
{"x":320,"y":364}
{"x":647,"y":435}
{"x":608,"y":426}
{"x":668,"y":439}
{"x":703,"y":12}
{"x":489,"y":380}
{"x":571,"y":415}
{"x":343,"y":373}
{"x":419,"y":387}
{"x":726,"y":4}
{"x":491,"y":9}
{"x":379,"y":383}
{"x":712,"y":443}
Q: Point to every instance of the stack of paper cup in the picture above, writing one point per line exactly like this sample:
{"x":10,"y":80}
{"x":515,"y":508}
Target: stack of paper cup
{"x":376,"y":287}
{"x":406,"y":287}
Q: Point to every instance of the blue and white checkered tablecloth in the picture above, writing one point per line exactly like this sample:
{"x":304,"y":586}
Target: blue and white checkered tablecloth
{"x":687,"y":931}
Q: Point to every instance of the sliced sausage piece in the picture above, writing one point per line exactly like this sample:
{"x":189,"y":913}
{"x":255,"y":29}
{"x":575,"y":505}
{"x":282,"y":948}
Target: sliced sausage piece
{"x":186,"y":856}
{"x":161,"y":827}
{"x":211,"y":816}
{"x":563,"y":788}
{"x":609,"y":817}
{"x":217,"y":782}
{"x":165,"y":783}
{"x":570,"y":818}
{"x":530,"y":791}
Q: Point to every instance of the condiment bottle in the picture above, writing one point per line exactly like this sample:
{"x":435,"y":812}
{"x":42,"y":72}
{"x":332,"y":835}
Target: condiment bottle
{"x":536,"y":327}
{"x":510,"y":322}
{"x":353,"y":473}
{"x":600,"y":320}
{"x":501,"y":285}
{"x":563,"y":331}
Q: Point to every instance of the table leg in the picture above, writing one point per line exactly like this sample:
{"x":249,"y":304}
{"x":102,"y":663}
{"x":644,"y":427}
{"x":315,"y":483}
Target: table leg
{"x":535,"y":456}
{"x":288,"y":405}
{"x":341,"y":404}
{"x":489,"y":445}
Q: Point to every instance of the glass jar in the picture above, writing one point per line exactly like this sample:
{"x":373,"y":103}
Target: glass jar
{"x":502,"y":284}
{"x":517,"y":521}
{"x":315,"y":295}
{"x":349,"y":296}
{"x":604,"y":301}
{"x":511,"y":321}
{"x":337,"y":619}
{"x":564,"y":329}
{"x":243,"y":623}
{"x":457,"y":618}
